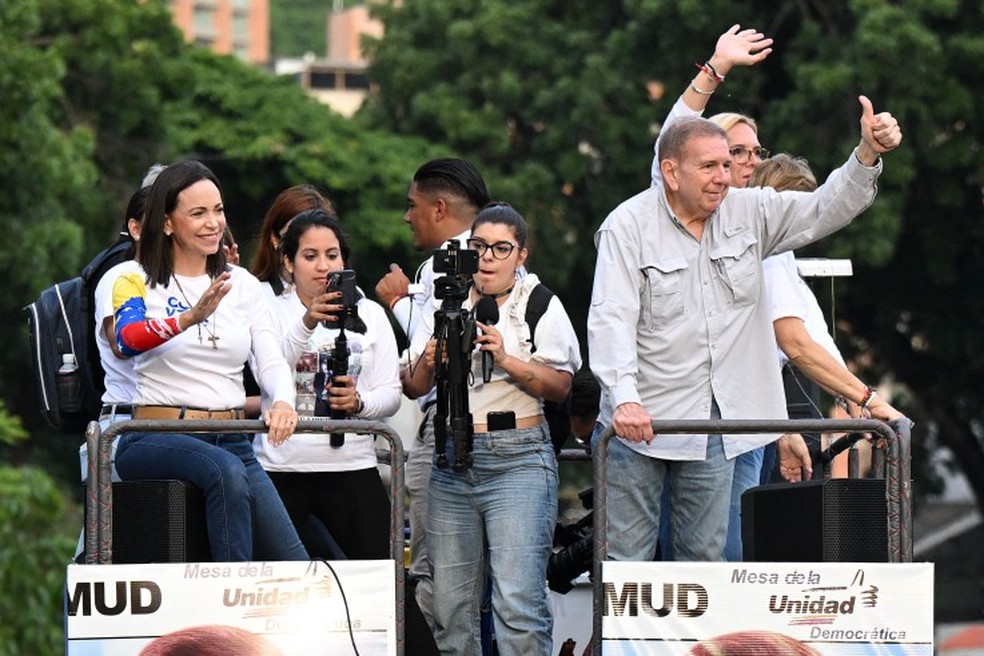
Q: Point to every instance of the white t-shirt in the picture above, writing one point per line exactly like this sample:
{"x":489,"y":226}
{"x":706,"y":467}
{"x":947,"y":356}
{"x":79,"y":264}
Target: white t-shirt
{"x":187,"y":370}
{"x":373,"y":360}
{"x":788,"y":295}
{"x":120,"y":380}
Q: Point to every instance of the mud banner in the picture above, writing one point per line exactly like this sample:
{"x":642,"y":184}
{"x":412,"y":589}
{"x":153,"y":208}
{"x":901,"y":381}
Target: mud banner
{"x":249,"y":609}
{"x":808,"y":609}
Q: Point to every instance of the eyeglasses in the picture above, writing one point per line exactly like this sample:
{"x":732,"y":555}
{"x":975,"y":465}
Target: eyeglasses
{"x":500,"y":249}
{"x":741,"y":154}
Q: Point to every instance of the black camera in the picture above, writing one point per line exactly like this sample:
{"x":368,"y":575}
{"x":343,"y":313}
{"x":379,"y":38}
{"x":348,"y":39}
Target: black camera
{"x":454,"y":330}
{"x":455,"y":261}
{"x":576,"y":549}
{"x":458,"y":264}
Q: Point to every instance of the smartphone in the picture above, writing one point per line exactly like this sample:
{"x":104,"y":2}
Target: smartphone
{"x":497,"y":421}
{"x":344,"y":281}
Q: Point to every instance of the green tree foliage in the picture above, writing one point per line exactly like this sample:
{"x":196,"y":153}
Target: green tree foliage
{"x":35,"y":546}
{"x":101,"y":89}
{"x":46,"y":170}
{"x":558,"y":102}
{"x":298,"y":27}
{"x":261,"y":134}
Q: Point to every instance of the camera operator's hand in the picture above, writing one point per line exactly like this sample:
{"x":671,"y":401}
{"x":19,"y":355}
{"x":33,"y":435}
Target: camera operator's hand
{"x":418,"y":378}
{"x":392,"y":287}
{"x":324,"y":307}
{"x":430,"y":355}
{"x":633,"y":423}
{"x":343,"y":395}
{"x":491,"y":341}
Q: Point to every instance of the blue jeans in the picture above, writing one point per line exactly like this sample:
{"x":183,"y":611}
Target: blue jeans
{"x":502,"y":512}
{"x":700,"y":495}
{"x":747,"y":466}
{"x":245,"y":518}
{"x":416,"y":479}
{"x":748,"y":470}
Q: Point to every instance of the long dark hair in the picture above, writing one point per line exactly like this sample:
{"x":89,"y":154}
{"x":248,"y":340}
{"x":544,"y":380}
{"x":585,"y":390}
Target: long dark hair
{"x":156,"y":254}
{"x":134,"y":210}
{"x":288,"y":204}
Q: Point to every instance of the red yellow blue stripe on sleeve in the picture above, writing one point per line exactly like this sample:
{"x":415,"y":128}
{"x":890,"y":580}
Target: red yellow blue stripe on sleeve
{"x":135,"y":333}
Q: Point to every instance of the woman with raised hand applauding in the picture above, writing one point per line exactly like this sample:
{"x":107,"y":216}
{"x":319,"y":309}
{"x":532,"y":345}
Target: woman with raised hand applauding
{"x":190,"y":321}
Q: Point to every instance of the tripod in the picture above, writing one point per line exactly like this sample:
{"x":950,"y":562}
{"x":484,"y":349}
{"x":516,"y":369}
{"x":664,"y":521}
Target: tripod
{"x":454,"y":329}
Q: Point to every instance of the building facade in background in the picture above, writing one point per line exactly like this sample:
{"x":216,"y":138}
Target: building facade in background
{"x":339,"y":79}
{"x":227,"y":27}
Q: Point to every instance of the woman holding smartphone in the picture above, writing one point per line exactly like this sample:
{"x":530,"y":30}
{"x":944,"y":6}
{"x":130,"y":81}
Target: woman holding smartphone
{"x":501,"y":511}
{"x":338,"y":485}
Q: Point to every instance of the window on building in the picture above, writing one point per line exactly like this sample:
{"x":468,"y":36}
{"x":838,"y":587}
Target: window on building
{"x":204,"y":20}
{"x":356,"y":81}
{"x":240,"y":28}
{"x":324,"y":80}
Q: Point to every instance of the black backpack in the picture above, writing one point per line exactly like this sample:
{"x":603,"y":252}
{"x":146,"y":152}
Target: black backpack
{"x":62,"y":320}
{"x":557,"y":414}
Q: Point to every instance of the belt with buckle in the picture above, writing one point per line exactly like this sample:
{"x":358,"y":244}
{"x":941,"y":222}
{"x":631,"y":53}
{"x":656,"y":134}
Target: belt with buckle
{"x":184,"y":412}
{"x":116,"y":409}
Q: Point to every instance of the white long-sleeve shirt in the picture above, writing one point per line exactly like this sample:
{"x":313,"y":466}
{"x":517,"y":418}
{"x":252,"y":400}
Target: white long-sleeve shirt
{"x":375,"y":363}
{"x":120,"y":379}
{"x":189,"y":369}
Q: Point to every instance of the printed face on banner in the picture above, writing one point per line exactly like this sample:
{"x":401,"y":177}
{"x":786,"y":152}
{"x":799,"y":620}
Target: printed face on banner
{"x":811,"y":609}
{"x":265,"y":608}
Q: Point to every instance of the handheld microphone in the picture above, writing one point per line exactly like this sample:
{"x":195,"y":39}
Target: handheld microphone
{"x":487,"y":312}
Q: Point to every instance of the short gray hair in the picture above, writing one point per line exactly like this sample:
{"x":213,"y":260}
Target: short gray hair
{"x":151,"y":175}
{"x":673,"y":141}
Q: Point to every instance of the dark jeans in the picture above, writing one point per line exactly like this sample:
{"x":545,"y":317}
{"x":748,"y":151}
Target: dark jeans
{"x":245,"y":517}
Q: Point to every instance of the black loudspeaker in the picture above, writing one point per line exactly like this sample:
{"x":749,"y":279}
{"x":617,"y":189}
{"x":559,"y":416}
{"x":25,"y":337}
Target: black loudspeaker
{"x":159,"y":522}
{"x":838,"y":520}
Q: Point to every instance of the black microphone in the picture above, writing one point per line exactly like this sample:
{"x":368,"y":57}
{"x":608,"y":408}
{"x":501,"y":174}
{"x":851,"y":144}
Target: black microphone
{"x":487,"y":312}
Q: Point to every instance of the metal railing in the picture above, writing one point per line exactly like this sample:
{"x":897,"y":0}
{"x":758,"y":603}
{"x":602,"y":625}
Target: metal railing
{"x":896,"y":466}
{"x":99,"y":488}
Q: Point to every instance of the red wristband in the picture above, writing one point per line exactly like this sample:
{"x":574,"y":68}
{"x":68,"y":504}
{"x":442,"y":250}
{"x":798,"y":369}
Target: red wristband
{"x":868,"y":393}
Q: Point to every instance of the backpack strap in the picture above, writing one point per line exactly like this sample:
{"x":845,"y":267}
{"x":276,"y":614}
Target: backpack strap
{"x":535,"y":307}
{"x":105,"y":260}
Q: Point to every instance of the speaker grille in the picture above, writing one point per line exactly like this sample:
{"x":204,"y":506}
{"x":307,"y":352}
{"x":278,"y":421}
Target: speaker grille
{"x":159,"y":522}
{"x":839,"y":520}
{"x":855,"y":520}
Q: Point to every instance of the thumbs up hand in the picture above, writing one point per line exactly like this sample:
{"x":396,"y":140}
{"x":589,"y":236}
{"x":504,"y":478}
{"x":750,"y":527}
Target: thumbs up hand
{"x":880,"y":133}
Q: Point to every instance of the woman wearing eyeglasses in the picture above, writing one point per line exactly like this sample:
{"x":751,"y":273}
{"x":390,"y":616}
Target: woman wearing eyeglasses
{"x":501,"y":511}
{"x":735,"y":47}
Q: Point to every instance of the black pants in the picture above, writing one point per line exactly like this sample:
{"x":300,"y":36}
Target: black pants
{"x":352,"y":505}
